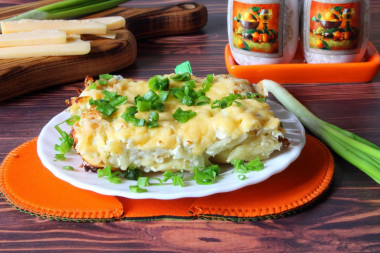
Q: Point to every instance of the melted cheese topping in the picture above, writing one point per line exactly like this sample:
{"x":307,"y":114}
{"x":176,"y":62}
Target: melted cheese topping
{"x":216,"y":133}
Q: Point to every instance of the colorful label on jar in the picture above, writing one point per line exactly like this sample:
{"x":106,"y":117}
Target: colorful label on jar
{"x":256,"y":27}
{"x":334,"y":27}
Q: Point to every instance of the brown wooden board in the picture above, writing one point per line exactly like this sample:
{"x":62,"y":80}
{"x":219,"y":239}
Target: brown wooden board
{"x":22,"y":75}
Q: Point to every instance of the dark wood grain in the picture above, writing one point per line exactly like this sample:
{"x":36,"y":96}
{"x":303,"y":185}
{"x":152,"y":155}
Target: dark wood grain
{"x":347,"y":219}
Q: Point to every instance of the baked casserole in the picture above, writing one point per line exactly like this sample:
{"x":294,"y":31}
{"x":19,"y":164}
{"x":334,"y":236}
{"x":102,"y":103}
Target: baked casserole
{"x":215,"y":130}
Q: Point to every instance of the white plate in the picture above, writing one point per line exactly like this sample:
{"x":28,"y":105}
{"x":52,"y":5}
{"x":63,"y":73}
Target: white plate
{"x":226,"y":181}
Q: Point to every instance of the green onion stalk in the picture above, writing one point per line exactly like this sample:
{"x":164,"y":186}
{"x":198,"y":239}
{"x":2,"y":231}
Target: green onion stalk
{"x":354,"y":149}
{"x":68,"y":9}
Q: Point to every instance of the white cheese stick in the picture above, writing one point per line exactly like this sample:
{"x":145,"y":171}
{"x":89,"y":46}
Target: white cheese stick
{"x":38,"y":37}
{"x":75,"y":47}
{"x":112,"y":23}
{"x":69,"y":26}
{"x":109,"y":35}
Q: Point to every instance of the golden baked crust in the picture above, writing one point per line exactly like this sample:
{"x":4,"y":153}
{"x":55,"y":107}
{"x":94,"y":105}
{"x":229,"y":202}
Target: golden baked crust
{"x":236,"y":132}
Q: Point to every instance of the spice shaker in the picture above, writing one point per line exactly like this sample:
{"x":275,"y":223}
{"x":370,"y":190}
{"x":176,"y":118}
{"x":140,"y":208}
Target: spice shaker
{"x":335,"y":31}
{"x":263,"y":31}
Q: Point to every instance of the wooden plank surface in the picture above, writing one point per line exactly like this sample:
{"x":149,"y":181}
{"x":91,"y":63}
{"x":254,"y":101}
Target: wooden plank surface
{"x":347,"y":219}
{"x":23,"y":75}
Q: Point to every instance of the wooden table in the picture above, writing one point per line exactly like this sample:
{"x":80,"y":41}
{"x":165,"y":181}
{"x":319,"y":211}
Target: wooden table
{"x":347,"y":219}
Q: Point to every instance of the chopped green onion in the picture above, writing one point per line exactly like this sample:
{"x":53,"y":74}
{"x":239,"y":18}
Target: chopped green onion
{"x":72,"y":120}
{"x":92,"y":86}
{"x":102,"y":82}
{"x":356,"y":150}
{"x":184,"y":67}
{"x":105,"y":172}
{"x":138,"y":122}
{"x":118,"y":100}
{"x":177,"y":178}
{"x":150,"y":101}
{"x":129,"y":116}
{"x":142,"y":181}
{"x":257,"y":96}
{"x":68,"y":9}
{"x":132,"y":173}
{"x":66,"y":140}
{"x":241,"y":168}
{"x":105,"y":76}
{"x":113,"y":177}
{"x":188,"y":96}
{"x":153,"y":118}
{"x":108,"y":96}
{"x":226,"y":101}
{"x":137,"y":189}
{"x":59,"y":157}
{"x":206,"y":85}
{"x":183,"y":116}
{"x":107,"y":105}
{"x":151,"y":96}
{"x":202,"y":100}
{"x":163,"y":95}
{"x":159,"y":181}
{"x":242,"y":177}
{"x":115,"y":180}
{"x":143,"y":105}
{"x":103,"y":106}
{"x":67,"y":167}
{"x":158,"y":83}
{"x":207,"y":175}
{"x":210,"y":78}
{"x":181,"y":77}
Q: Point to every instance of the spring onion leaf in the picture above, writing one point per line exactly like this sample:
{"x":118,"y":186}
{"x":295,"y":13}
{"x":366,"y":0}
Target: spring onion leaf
{"x":72,"y":120}
{"x":188,"y":96}
{"x":354,"y":149}
{"x":206,"y":175}
{"x":92,"y":86}
{"x":103,"y":106}
{"x":158,"y":83}
{"x":138,"y":122}
{"x":66,"y":140}
{"x":59,"y":157}
{"x":163,"y":95}
{"x":132,"y":173}
{"x":184,"y":67}
{"x":107,"y":105}
{"x":176,"y":177}
{"x":257,"y":96}
{"x":242,"y":168}
{"x":67,"y":167}
{"x":150,"y":101}
{"x":226,"y":101}
{"x":113,"y":177}
{"x":142,"y":181}
{"x":210,"y":78}
{"x":181,"y":77}
{"x":137,"y":189}
{"x":183,"y":116}
{"x":68,"y":9}
{"x":105,"y":76}
{"x":153,"y":118}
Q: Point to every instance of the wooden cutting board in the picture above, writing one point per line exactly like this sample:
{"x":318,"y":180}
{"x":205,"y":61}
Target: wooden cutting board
{"x":19,"y":76}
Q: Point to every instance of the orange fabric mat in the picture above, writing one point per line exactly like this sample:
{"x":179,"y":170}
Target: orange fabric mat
{"x":30,"y":187}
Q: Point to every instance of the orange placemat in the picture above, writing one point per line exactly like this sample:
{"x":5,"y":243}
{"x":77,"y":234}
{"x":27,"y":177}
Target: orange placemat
{"x":30,"y":187}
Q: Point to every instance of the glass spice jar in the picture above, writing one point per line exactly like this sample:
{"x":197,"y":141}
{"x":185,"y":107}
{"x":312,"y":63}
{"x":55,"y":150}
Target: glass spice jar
{"x":335,"y":31}
{"x":263,"y":31}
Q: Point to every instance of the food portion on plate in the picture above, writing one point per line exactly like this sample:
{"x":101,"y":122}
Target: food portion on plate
{"x":174,"y":122}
